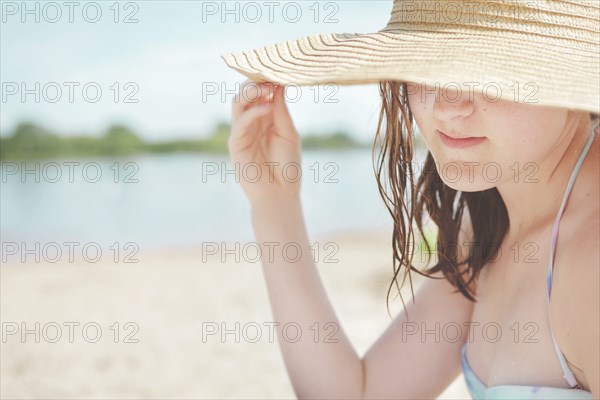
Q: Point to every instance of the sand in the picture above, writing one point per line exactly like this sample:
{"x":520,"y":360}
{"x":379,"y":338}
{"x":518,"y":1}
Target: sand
{"x":152,"y":316}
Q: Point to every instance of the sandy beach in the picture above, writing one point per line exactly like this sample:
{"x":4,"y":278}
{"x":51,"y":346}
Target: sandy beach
{"x":153,"y":329}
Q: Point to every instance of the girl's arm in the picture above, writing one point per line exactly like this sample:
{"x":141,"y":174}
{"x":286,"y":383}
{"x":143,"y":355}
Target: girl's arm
{"x":414,"y":359}
{"x":403,"y":363}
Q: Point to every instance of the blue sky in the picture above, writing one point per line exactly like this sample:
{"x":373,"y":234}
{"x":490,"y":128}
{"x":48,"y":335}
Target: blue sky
{"x":165,"y":57}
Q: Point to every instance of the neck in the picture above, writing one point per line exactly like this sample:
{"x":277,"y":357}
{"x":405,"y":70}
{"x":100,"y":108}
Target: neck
{"x":532,"y":205}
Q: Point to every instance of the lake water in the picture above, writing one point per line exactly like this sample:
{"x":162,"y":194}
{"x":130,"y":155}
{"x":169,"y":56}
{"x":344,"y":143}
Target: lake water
{"x":174,"y":200}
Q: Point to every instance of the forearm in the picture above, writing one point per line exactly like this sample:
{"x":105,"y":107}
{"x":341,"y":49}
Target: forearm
{"x":318,"y":367}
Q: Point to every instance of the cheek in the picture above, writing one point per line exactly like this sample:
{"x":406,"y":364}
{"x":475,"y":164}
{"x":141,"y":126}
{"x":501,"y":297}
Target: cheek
{"x":533,"y":128}
{"x":420,"y":110}
{"x":523,"y":137}
{"x":414,"y":103}
{"x":418,"y":102}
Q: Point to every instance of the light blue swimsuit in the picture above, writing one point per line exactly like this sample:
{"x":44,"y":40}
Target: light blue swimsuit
{"x":479,"y":391}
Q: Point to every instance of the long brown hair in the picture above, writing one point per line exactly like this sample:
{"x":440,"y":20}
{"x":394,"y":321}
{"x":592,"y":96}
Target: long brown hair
{"x":409,"y":202}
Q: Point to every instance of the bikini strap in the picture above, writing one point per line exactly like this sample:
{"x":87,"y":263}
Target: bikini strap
{"x":568,"y":374}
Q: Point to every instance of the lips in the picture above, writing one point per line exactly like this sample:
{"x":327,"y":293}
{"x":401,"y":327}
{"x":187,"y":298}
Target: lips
{"x":460,"y":142}
{"x":455,"y":136}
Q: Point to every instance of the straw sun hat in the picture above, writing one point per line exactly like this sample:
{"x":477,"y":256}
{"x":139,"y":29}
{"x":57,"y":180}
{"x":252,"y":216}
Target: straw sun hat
{"x":543,"y":52}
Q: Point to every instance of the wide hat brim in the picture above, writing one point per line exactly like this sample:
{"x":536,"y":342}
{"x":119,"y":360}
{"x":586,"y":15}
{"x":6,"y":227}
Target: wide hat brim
{"x":508,"y":65}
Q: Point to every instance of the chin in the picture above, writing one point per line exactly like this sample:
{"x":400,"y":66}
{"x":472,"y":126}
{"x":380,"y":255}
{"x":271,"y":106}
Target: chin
{"x":466,"y":186}
{"x":466,"y":175}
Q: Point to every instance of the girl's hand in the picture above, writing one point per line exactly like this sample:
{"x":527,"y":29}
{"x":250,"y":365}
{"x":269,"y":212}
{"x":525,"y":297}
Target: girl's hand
{"x":264,"y":145}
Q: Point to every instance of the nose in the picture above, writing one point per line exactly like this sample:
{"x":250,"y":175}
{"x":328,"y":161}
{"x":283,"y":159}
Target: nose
{"x":450,"y":104}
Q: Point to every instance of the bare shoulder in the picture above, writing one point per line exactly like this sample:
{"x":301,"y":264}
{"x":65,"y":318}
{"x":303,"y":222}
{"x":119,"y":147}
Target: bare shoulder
{"x":577,"y":262}
{"x":578,"y":271}
{"x":576,"y":288}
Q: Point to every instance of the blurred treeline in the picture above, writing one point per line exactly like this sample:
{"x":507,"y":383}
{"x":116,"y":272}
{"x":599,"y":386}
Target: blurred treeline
{"x":32,"y":141}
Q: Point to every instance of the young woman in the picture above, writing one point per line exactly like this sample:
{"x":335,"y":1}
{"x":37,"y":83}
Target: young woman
{"x":526,"y":297}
